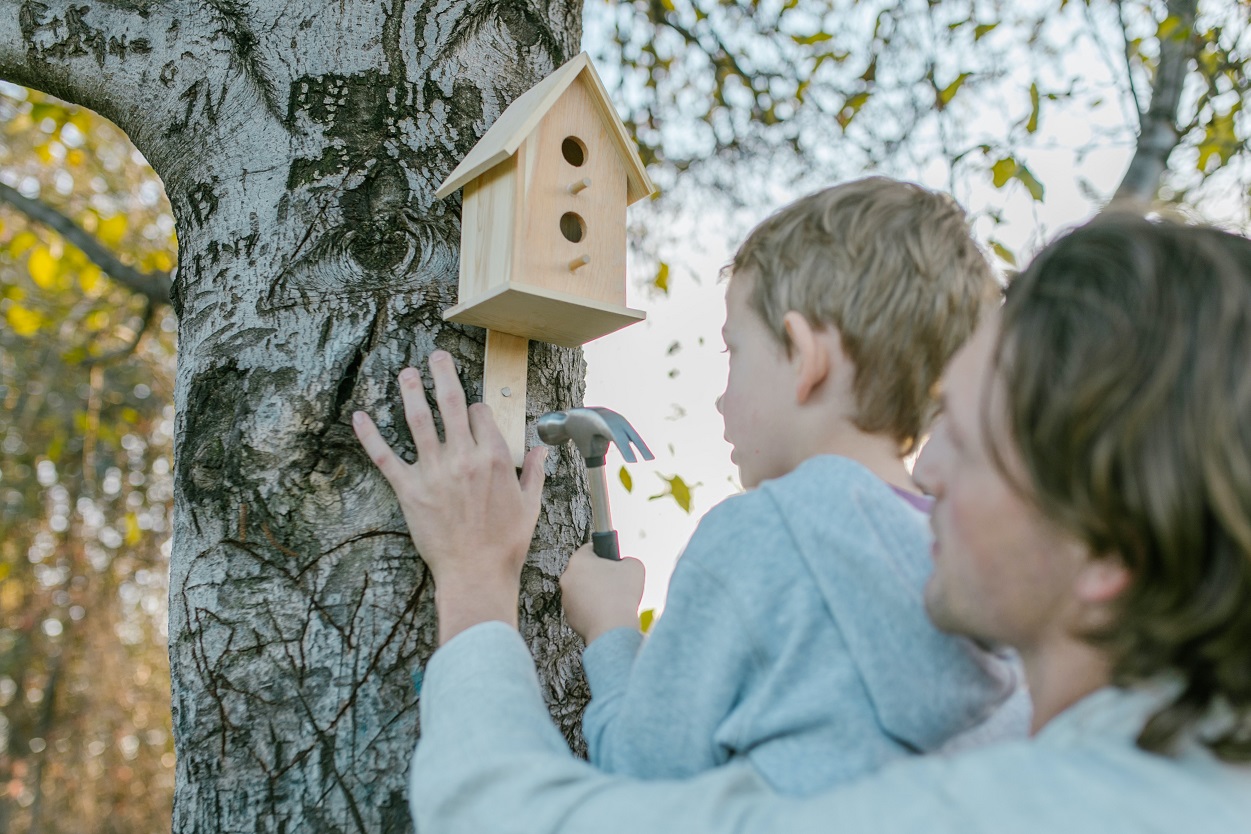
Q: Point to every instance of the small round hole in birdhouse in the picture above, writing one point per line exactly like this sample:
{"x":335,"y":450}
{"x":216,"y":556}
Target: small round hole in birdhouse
{"x":572,"y":227}
{"x":574,"y":151}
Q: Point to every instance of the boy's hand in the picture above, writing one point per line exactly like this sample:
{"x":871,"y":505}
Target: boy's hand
{"x":601,"y":594}
{"x":470,"y":519}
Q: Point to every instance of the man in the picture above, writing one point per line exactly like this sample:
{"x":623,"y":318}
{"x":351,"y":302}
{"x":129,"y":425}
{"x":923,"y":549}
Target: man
{"x":1092,"y":486}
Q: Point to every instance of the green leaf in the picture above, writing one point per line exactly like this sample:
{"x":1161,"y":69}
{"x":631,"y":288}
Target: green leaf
{"x":809,"y":40}
{"x":1002,"y":171}
{"x":1031,"y":126}
{"x":949,"y":92}
{"x":661,"y":281}
{"x":626,"y":480}
{"x":1031,"y":183}
{"x":983,"y":30}
{"x":1005,"y":254}
{"x":646,"y":618}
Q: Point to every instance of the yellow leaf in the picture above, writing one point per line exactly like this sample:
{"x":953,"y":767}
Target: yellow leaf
{"x":646,"y":618}
{"x":626,"y":480}
{"x":43,"y":268}
{"x":112,"y":229}
{"x":1005,"y":254}
{"x":97,"y":320}
{"x":89,"y":278}
{"x":1002,"y":171}
{"x":661,"y":281}
{"x":22,"y":241}
{"x":23,"y":321}
{"x":160,"y":261}
{"x":133,"y":533}
{"x":1032,"y":125}
{"x":678,"y":489}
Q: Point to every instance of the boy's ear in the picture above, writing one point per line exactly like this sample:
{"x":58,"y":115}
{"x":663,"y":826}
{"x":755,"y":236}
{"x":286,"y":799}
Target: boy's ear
{"x":809,"y":356}
{"x":1102,"y":580}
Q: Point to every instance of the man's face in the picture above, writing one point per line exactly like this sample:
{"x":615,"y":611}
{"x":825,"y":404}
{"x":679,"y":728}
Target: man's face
{"x":1002,"y":572}
{"x":759,"y":393}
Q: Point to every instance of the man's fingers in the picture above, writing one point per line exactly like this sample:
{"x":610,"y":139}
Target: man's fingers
{"x":485,"y":430}
{"x":532,"y":477}
{"x":417,"y":413}
{"x":379,"y":452}
{"x":451,"y":399}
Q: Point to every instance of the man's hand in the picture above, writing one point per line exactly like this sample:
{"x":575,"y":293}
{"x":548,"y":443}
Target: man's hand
{"x":469,"y":517}
{"x":601,"y":594}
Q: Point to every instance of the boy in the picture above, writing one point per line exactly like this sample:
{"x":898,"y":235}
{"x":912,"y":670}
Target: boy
{"x":841,"y":312}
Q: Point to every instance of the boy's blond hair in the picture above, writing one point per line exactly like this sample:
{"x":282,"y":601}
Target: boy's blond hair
{"x":894,"y":268}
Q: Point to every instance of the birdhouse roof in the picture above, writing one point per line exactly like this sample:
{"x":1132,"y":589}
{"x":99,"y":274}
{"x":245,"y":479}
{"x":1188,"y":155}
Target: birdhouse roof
{"x":504,"y":137}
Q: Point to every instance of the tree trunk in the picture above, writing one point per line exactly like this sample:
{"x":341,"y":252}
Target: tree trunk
{"x":1158,"y":133}
{"x":300,"y":144}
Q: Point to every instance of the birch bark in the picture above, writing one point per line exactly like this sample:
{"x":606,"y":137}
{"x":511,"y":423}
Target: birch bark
{"x":300,"y":144}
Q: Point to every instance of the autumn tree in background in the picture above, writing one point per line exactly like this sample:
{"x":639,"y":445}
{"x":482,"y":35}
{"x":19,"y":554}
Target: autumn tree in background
{"x":85,"y":484}
{"x":300,"y":155}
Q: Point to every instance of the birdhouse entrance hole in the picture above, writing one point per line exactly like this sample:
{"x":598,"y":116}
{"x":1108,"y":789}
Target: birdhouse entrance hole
{"x":572,"y":227}
{"x":574,"y":151}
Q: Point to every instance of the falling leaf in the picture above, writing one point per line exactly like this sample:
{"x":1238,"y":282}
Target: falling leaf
{"x":678,"y":489}
{"x":646,"y":618}
{"x":626,"y":480}
{"x":661,"y":281}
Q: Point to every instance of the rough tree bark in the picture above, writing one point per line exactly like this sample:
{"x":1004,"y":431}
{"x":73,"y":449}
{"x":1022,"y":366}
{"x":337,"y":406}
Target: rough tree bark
{"x":300,"y":144}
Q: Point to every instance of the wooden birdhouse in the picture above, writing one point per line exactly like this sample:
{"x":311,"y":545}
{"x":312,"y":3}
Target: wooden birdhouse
{"x":543,"y":230}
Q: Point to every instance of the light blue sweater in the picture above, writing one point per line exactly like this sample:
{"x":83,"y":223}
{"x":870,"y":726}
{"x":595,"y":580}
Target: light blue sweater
{"x":490,"y":761}
{"x":795,"y":638}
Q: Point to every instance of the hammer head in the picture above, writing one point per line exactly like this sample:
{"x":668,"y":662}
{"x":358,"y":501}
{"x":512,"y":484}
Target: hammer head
{"x":592,"y":430}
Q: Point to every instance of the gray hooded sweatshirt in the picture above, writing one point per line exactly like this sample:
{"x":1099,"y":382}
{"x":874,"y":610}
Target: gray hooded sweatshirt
{"x":795,"y":638}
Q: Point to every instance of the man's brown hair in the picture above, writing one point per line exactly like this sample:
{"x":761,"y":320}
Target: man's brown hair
{"x":1124,"y":353}
{"x":893,"y":267}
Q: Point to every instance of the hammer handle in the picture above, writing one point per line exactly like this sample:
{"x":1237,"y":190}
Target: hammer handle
{"x":605,"y":545}
{"x":603,"y":536}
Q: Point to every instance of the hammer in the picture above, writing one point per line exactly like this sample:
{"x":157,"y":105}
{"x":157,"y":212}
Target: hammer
{"x":593,"y":430}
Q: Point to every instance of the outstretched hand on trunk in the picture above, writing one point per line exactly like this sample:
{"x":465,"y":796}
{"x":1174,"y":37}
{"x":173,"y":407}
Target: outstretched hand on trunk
{"x":470,"y":517}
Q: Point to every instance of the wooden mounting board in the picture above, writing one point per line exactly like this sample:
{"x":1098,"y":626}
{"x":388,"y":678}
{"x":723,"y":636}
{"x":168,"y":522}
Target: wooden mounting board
{"x":505,"y":367}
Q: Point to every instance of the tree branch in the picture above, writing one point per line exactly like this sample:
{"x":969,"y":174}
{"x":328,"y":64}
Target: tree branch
{"x":154,"y":286}
{"x":1158,"y":133}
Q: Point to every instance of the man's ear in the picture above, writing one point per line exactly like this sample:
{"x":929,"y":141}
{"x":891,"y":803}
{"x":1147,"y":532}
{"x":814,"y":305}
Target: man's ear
{"x":809,"y":356}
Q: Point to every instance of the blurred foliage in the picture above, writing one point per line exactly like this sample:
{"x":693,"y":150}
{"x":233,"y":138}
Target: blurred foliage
{"x":85,"y":484}
{"x":811,"y":91}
